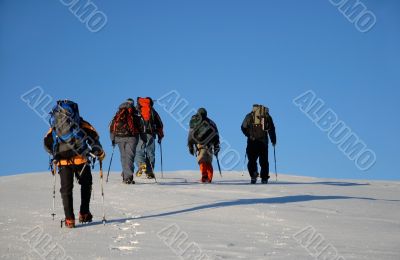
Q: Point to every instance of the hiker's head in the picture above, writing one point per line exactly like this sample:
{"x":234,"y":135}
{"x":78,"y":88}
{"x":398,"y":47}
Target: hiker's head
{"x":202,"y":112}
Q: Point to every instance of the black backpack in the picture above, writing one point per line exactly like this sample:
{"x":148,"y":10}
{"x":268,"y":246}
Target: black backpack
{"x":202,"y":131}
{"x":68,"y":137}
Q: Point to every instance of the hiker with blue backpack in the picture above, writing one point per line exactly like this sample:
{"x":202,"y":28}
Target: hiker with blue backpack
{"x":72,"y":142}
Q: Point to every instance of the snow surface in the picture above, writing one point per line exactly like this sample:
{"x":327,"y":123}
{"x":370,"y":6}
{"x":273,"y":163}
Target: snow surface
{"x":179,"y":218}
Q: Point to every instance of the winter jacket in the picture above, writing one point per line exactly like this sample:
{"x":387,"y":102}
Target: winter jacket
{"x":92,"y":140}
{"x":247,"y":129}
{"x":155,"y":126}
{"x":211,"y":140}
{"x":138,"y":126}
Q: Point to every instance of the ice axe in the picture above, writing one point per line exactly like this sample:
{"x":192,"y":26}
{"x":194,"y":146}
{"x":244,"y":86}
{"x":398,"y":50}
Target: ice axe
{"x":219,"y":166}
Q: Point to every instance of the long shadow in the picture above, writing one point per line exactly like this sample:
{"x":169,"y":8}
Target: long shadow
{"x":333,"y":183}
{"x":238,"y":202}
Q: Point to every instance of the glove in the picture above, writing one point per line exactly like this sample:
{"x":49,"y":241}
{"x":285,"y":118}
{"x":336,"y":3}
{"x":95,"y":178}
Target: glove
{"x":216,"y":150}
{"x":191,"y":150}
{"x":273,"y":144}
{"x":113,"y":143}
{"x":159,"y":139}
{"x":100,"y":154}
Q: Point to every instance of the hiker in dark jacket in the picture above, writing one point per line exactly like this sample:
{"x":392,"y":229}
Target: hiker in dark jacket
{"x":75,"y":163}
{"x":153,"y":128}
{"x":125,"y":131}
{"x":203,"y":140}
{"x":257,"y":126}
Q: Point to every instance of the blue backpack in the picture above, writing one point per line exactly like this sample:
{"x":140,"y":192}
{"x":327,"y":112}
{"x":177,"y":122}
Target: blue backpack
{"x":68,"y":137}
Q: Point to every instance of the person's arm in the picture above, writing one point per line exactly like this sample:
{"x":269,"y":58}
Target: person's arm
{"x":93,"y":139}
{"x":215,"y":140}
{"x":159,"y":126}
{"x":48,"y":141}
{"x":271,"y":130}
{"x":246,"y":125}
{"x":112,"y":134}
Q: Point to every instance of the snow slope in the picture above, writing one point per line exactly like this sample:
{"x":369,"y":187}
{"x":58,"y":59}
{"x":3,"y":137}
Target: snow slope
{"x":178,"y":218}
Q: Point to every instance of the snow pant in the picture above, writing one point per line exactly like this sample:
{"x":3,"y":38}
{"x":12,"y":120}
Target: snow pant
{"x":204,"y":159}
{"x":127,"y":151}
{"x":67,"y":174}
{"x":257,"y":150}
{"x":207,"y":172}
{"x":146,"y":153}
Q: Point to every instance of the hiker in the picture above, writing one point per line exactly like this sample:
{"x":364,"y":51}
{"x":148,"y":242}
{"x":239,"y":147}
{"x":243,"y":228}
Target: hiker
{"x":125,"y":131}
{"x":153,"y":127}
{"x":203,"y":140}
{"x":257,"y":126}
{"x":70,"y":141}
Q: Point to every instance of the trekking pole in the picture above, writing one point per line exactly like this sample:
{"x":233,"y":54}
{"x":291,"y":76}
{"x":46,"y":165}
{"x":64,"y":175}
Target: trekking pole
{"x":109,"y":166}
{"x":161,"y":164}
{"x":54,"y":171}
{"x":244,"y":163}
{"x":276,"y":173}
{"x":219,"y":167}
{"x":102,"y":191}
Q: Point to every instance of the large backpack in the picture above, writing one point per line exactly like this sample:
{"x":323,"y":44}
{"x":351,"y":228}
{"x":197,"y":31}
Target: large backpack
{"x":68,"y":137}
{"x":123,"y":123}
{"x":202,"y":130}
{"x":145,"y":107}
{"x":259,"y":121}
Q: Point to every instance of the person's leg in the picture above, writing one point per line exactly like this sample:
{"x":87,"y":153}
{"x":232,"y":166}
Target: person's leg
{"x":210,"y":172}
{"x":67,"y":185}
{"x":86,"y":181}
{"x":140,"y":152}
{"x":126,"y":160}
{"x":150,"y":150}
{"x":252,"y":156}
{"x":203,"y":171}
{"x":130,"y":152}
{"x":264,"y":164}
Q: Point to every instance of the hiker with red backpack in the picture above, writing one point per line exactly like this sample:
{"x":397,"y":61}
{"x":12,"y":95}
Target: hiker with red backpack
{"x":153,"y":127}
{"x":257,"y":126}
{"x":72,"y":141}
{"x":125,"y":131}
{"x":203,"y":142}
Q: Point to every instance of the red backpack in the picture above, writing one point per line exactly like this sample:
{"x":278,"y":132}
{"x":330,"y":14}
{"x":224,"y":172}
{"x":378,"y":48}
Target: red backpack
{"x":123,"y":123}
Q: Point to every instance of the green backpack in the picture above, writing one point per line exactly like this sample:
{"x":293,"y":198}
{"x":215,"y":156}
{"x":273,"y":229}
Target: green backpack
{"x":202,"y":131}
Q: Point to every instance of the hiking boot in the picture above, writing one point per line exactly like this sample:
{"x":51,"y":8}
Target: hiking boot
{"x":150,"y":175}
{"x":139,"y":172}
{"x":128,"y":181}
{"x":142,"y":169}
{"x":253,"y":180}
{"x":264,"y":181}
{"x":85,"y":217}
{"x":69,"y":222}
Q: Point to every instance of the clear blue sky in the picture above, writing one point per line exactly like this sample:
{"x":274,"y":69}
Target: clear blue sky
{"x":223,"y":55}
